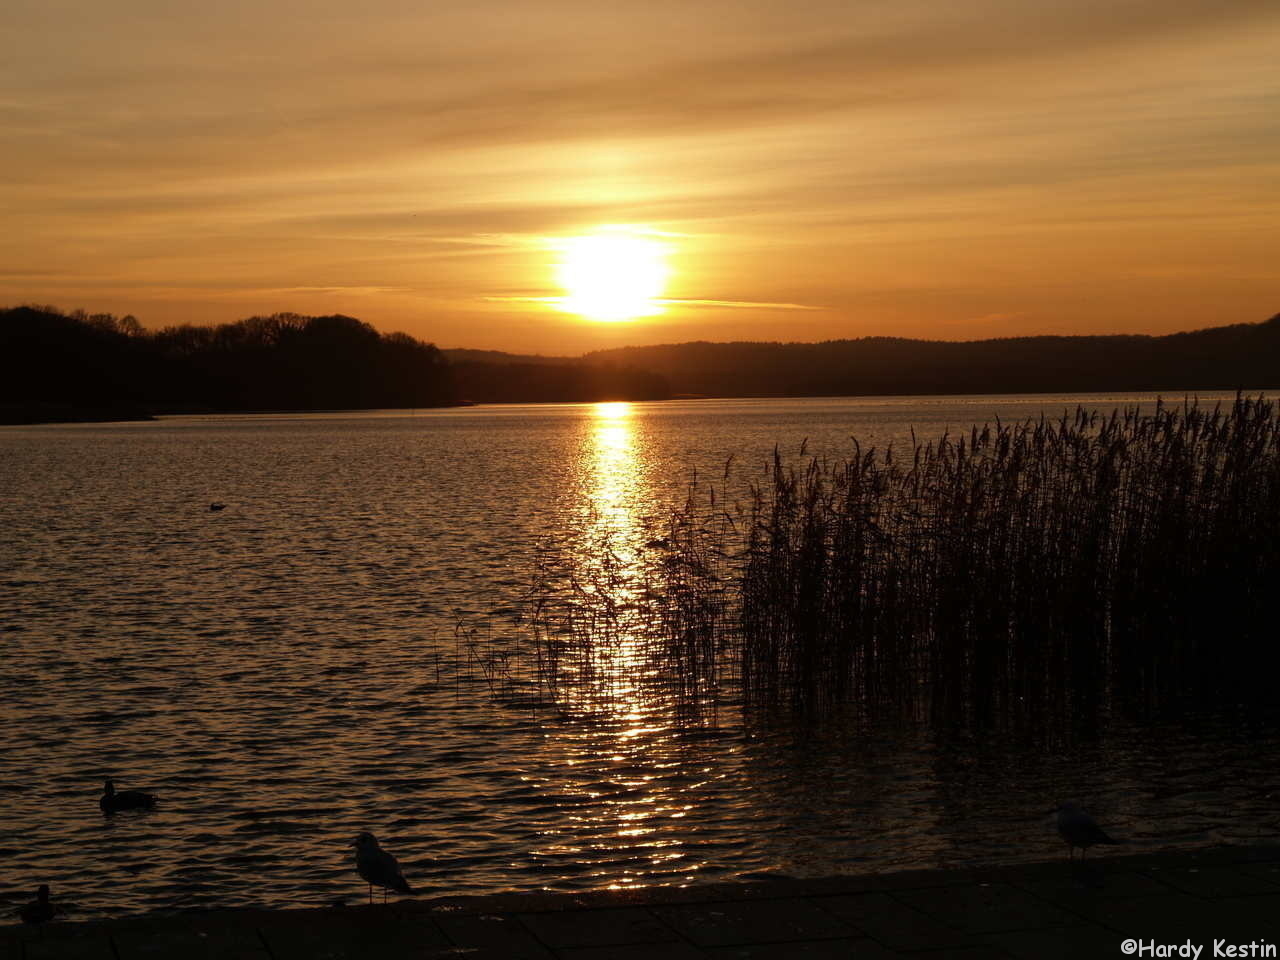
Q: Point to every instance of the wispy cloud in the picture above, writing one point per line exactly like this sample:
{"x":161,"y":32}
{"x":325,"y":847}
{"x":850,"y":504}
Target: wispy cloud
{"x":739,"y":304}
{"x":669,"y":301}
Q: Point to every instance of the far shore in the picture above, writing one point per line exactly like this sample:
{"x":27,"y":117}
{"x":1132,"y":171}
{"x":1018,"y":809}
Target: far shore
{"x":35,"y":414}
{"x":52,"y":413}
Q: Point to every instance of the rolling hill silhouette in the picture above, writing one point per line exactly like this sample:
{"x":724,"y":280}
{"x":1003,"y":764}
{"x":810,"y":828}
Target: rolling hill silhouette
{"x":78,"y":366}
{"x":1245,"y":355}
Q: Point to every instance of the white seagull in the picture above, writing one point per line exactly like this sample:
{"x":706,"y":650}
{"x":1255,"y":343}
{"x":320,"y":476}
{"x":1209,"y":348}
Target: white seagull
{"x":1079,"y":829}
{"x":377,"y":867}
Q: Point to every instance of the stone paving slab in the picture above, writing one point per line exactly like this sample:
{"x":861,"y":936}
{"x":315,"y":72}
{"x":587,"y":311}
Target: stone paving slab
{"x":1217,"y":882}
{"x":636,"y":951}
{"x":1075,"y":887}
{"x":199,"y":937}
{"x":861,"y":948}
{"x":1029,"y":912}
{"x":1179,"y":917}
{"x":754,"y":922}
{"x":986,"y":908}
{"x":597,"y":927}
{"x":64,"y":949}
{"x":1067,"y":943}
{"x":343,"y":934}
{"x":1267,"y":871}
{"x":498,"y":933}
{"x":893,"y":923}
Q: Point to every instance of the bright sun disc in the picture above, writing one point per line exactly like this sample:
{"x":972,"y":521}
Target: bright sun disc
{"x":612,"y":275}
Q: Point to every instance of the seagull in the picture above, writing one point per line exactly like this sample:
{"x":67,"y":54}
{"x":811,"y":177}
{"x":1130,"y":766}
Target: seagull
{"x":215,"y":507}
{"x":40,"y":909}
{"x":127,"y":800}
{"x":1079,"y":829}
{"x":377,"y":867}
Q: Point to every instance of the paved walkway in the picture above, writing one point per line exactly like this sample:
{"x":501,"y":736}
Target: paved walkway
{"x":1038,"y":911}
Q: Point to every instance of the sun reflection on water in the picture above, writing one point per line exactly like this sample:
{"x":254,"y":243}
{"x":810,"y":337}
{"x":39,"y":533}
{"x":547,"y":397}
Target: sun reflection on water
{"x":615,"y":476}
{"x":609,"y":562}
{"x":629,"y":787}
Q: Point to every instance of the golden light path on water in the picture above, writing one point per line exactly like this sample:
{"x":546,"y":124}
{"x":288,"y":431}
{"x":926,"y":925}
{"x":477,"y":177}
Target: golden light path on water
{"x":628,"y":768}
{"x":613,"y":472}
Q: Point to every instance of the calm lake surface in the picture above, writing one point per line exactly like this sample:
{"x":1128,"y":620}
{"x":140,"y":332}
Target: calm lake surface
{"x":284,"y":673}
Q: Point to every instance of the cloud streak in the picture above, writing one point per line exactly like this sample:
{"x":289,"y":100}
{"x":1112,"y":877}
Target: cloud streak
{"x":667,"y":301}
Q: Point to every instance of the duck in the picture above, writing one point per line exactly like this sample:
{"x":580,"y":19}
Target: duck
{"x":112,"y":802}
{"x":1079,"y":829}
{"x":377,"y":867}
{"x":215,"y":507}
{"x":39,"y":910}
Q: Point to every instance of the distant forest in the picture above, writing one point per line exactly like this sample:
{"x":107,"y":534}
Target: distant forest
{"x":80,"y":366}
{"x":98,"y":366}
{"x":1245,"y":355}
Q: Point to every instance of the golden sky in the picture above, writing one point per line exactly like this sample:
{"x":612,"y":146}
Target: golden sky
{"x":952,"y":169}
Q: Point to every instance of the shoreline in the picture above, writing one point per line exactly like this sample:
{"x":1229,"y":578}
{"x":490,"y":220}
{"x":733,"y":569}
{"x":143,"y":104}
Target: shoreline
{"x":1047,"y":909}
{"x":39,"y":414}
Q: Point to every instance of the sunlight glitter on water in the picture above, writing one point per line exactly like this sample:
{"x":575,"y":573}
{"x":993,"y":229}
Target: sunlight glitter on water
{"x":623,"y":828}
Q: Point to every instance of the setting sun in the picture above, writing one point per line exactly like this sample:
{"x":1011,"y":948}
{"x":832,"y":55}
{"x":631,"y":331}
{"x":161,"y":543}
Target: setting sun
{"x":613,"y":274}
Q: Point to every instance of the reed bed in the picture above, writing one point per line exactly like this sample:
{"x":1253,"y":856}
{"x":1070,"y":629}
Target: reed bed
{"x":1046,"y":568}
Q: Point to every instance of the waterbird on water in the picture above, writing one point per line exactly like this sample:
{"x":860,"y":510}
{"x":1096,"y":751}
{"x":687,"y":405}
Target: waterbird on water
{"x":215,"y":507}
{"x":39,"y":910}
{"x":377,"y":867}
{"x":125,"y":800}
{"x":1079,"y":829}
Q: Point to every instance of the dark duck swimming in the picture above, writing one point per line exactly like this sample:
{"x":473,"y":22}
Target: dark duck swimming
{"x":113,"y":802}
{"x":39,"y":910}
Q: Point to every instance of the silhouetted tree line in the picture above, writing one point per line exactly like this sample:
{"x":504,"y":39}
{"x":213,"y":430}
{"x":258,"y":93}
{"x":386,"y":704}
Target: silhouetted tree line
{"x":80,"y":366}
{"x":97,"y":366}
{"x":55,"y":365}
{"x":1239,"y":356}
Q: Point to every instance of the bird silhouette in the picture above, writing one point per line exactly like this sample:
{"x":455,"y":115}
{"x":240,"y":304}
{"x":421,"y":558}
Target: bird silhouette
{"x":111,"y":802}
{"x":377,"y":867}
{"x":215,"y":507}
{"x":1079,"y":829}
{"x":39,"y":910}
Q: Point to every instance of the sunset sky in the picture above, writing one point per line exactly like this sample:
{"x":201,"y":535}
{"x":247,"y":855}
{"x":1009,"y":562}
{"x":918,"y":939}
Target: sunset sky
{"x":808,"y":170}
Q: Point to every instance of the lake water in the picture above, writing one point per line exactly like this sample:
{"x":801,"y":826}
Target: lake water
{"x":285,"y":672}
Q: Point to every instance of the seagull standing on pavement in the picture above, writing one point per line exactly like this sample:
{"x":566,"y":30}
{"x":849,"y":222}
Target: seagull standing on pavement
{"x":377,"y":867}
{"x":1079,"y":829}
